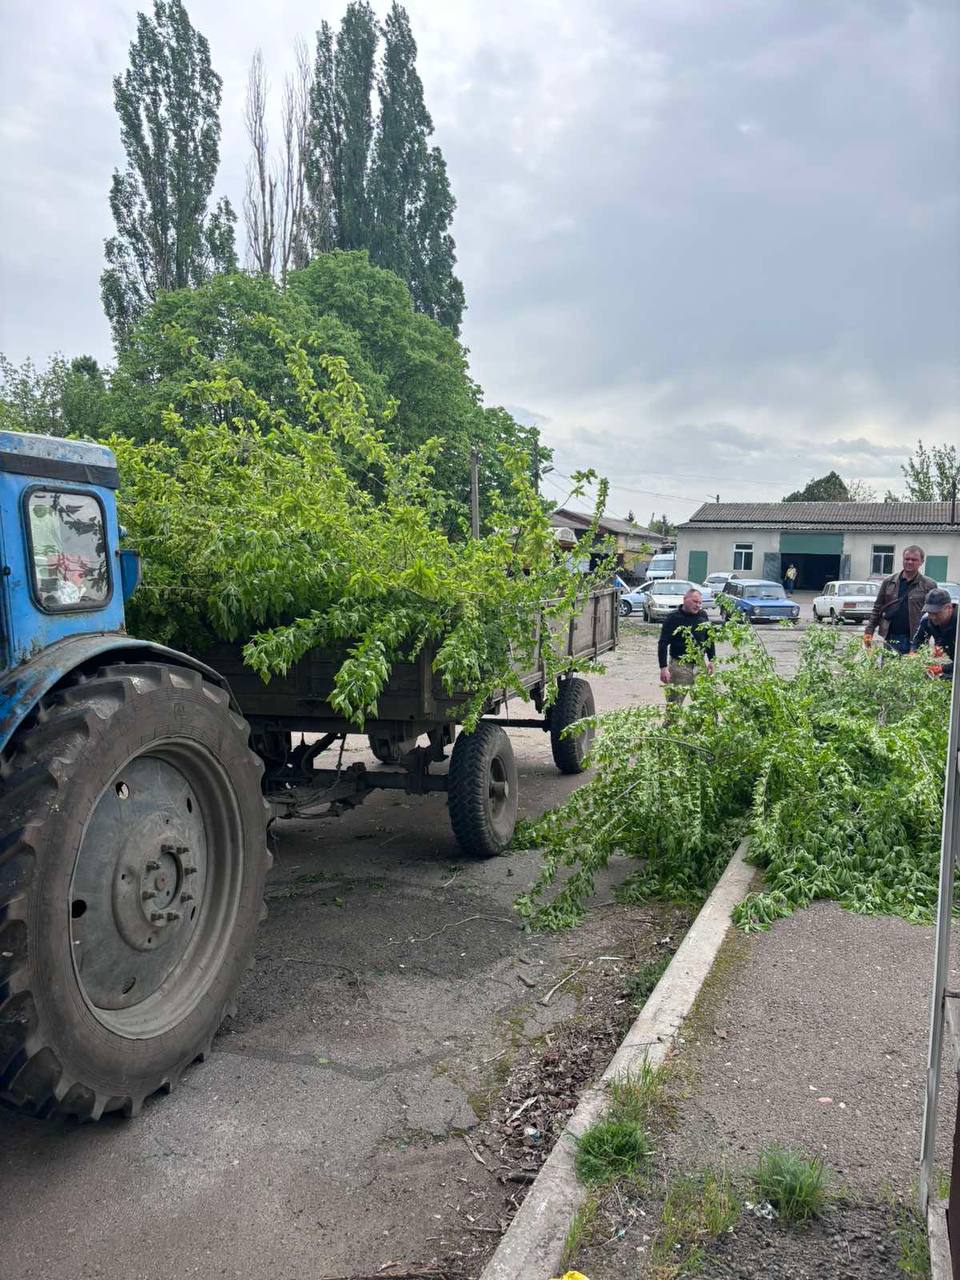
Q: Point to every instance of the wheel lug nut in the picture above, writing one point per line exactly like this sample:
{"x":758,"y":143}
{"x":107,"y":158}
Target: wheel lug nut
{"x":188,"y":871}
{"x":153,"y":866}
{"x":186,"y":897}
{"x":147,"y":894}
{"x":173,"y":915}
{"x":157,"y":916}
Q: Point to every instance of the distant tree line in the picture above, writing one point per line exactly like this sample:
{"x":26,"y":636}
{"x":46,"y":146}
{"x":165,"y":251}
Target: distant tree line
{"x":929,"y":475}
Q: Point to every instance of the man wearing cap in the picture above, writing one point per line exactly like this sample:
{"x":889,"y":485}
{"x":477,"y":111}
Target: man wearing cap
{"x":899,"y":603}
{"x":939,"y":624}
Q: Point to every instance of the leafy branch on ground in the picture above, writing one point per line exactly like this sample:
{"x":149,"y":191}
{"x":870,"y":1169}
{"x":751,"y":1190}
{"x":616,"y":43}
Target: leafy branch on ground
{"x":836,"y":776}
{"x":293,"y":532}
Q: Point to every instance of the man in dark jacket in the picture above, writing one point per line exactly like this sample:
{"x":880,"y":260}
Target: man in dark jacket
{"x":677,"y":672}
{"x":939,"y":626}
{"x":899,"y":603}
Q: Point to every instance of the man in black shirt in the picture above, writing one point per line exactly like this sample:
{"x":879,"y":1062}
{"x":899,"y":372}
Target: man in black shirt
{"x":677,"y":672}
{"x":939,"y":624}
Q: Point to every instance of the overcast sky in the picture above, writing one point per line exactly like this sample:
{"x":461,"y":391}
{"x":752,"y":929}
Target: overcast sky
{"x":707,"y":245}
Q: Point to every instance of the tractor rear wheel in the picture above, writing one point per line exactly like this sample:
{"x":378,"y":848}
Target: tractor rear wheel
{"x":132,"y":866}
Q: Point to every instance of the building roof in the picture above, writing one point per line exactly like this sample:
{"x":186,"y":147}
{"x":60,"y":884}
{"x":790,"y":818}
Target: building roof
{"x":563,"y":516}
{"x":895,"y":516}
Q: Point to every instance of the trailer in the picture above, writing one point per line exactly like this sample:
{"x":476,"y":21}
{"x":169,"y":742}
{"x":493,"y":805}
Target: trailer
{"x":415,"y":723}
{"x":136,"y":785}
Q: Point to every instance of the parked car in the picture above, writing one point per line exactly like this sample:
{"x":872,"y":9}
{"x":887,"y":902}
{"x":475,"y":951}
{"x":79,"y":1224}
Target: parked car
{"x":845,"y":601}
{"x":654,"y":600}
{"x":761,"y":601}
{"x":663,"y":565}
{"x":953,"y":588}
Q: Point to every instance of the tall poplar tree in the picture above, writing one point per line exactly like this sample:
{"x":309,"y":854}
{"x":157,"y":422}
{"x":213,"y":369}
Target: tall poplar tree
{"x":381,"y":186}
{"x":342,"y":129}
{"x":412,"y":204}
{"x":168,"y":102}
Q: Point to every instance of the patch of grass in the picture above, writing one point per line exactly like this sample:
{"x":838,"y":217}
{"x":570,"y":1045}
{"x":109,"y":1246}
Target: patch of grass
{"x":618,"y":1147}
{"x":696,"y":1209}
{"x":911,"y":1237}
{"x":791,"y":1182}
{"x":634,"y":1097}
{"x":640,"y":984}
{"x":612,"y":1151}
{"x":580,"y":1232}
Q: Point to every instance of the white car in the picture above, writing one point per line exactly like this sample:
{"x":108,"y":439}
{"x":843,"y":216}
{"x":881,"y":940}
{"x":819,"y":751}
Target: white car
{"x":654,"y":600}
{"x":845,"y":602}
{"x":663,"y":565}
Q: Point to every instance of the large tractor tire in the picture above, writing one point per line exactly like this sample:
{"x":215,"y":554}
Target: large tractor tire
{"x":574,"y":701}
{"x":132,"y":865}
{"x":482,"y":791}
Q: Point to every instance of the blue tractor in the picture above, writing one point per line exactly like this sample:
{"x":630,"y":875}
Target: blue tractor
{"x":132,"y":818}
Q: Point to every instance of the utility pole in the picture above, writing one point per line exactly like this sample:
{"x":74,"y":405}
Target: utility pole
{"x":715,"y":497}
{"x":535,"y":472}
{"x":474,"y":493}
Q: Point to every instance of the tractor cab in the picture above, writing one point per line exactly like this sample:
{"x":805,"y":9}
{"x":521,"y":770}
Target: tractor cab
{"x":62,"y":573}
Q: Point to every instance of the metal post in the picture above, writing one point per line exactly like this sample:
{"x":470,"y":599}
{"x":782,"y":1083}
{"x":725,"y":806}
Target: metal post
{"x":949,"y":849}
{"x":474,"y":493}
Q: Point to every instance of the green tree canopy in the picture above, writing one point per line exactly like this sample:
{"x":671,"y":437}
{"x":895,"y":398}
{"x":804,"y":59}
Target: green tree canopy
{"x":168,"y":102}
{"x":828,"y":488}
{"x":412,"y":371}
{"x":65,"y":398}
{"x":931,"y":475}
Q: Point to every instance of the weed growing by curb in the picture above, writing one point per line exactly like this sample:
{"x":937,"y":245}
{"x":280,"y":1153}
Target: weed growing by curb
{"x":618,"y":1146}
{"x":792,"y":1183}
{"x":580,"y":1232}
{"x":640,"y":984}
{"x":612,"y":1151}
{"x":696,"y":1209}
{"x":911,"y":1236}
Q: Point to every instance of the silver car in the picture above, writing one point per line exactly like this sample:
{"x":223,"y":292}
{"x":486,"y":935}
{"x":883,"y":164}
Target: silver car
{"x":654,"y":600}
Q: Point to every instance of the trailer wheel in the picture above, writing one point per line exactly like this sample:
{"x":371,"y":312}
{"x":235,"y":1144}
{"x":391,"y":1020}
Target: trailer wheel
{"x":132,"y":865}
{"x":482,"y":791}
{"x":387,"y":752}
{"x":574,"y":701}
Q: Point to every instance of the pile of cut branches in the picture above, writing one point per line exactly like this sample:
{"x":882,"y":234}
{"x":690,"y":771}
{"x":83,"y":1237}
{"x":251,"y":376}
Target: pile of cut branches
{"x":294,"y":531}
{"x":836,"y":775}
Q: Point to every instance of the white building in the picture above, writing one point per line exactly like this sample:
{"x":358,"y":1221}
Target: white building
{"x":825,"y":540}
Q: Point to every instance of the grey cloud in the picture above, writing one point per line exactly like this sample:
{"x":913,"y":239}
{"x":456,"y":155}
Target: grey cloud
{"x":683,"y":227}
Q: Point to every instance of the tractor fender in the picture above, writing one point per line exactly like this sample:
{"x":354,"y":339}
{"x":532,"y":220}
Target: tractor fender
{"x":27,"y":684}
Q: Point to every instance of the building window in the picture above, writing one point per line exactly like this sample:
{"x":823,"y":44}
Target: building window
{"x":743,"y":555}
{"x":882,"y":561}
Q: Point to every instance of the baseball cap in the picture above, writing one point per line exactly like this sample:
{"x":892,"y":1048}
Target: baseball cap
{"x":937,"y":598}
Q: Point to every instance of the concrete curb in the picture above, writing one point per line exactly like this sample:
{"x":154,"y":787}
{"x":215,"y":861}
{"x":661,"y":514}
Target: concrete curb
{"x":532,"y":1247}
{"x":941,"y":1266}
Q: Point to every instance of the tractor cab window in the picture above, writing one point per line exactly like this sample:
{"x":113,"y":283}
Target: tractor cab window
{"x":68,"y":550}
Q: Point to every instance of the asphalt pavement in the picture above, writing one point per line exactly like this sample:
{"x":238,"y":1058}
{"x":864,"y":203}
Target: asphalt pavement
{"x":324,"y":1133}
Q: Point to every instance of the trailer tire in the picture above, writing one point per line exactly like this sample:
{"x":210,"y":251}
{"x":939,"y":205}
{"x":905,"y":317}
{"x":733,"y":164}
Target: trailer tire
{"x":482,"y":791}
{"x":387,"y":752}
{"x":132,"y":866}
{"x":574,"y":701}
